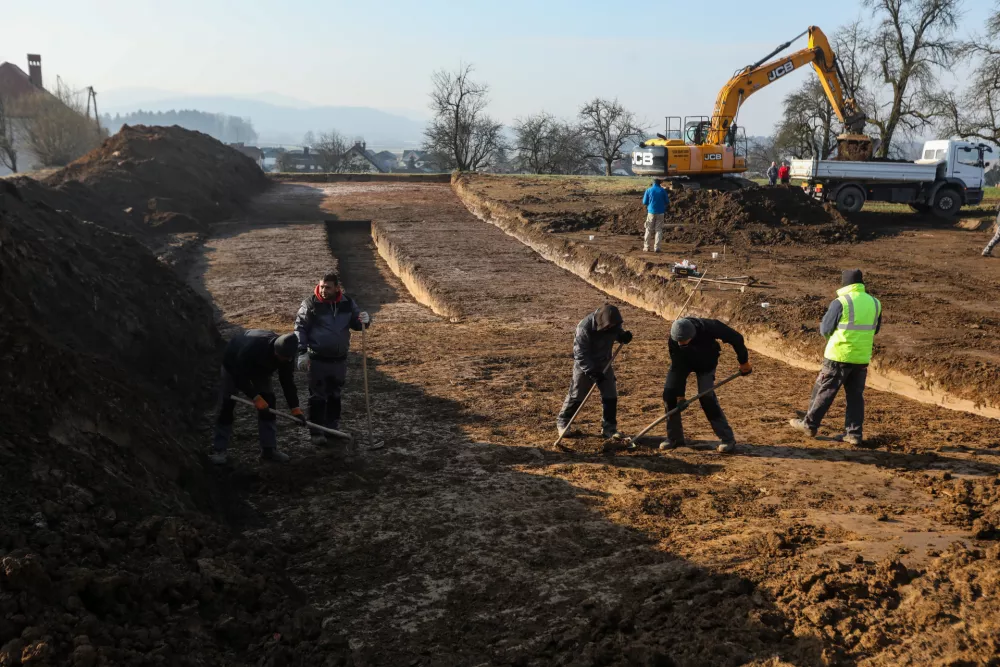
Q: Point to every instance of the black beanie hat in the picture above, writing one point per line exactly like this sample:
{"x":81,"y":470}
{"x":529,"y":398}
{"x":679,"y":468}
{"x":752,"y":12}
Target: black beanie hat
{"x":607,"y":317}
{"x":286,"y":346}
{"x":850,"y":277}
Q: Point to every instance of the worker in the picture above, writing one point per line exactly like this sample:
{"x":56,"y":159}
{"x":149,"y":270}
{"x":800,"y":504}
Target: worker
{"x":694,"y":348}
{"x":772,"y":174}
{"x":850,"y":325}
{"x":657,"y":202}
{"x":988,"y":250}
{"x":596,"y":334}
{"x":784,"y":174}
{"x":249,"y":361}
{"x":323,"y":326}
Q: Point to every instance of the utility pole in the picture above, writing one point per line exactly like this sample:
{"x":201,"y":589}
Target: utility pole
{"x":91,"y":95}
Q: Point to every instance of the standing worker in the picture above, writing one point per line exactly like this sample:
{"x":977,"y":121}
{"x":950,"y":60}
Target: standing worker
{"x":249,"y":361}
{"x":988,"y":250}
{"x":784,"y":174}
{"x":323,"y":326}
{"x":596,"y":334}
{"x":694,"y":348}
{"x":657,"y":201}
{"x":772,"y":174}
{"x":850,"y":325}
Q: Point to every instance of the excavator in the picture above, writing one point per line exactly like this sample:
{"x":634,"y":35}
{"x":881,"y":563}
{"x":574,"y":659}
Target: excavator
{"x":704,"y":150}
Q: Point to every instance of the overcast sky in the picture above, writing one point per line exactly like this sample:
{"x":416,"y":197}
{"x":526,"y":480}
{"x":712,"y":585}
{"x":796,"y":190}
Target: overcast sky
{"x":658,"y":58}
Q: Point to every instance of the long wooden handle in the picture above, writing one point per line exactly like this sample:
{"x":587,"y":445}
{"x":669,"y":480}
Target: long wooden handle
{"x":592,"y":388}
{"x":684,"y":404}
{"x":364,"y":372}
{"x":339,"y":434}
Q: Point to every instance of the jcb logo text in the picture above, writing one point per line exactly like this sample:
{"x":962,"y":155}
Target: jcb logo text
{"x":642,"y":159}
{"x":780,"y":71}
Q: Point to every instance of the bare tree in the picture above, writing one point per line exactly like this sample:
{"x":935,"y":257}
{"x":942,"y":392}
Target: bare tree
{"x":546,"y":145}
{"x":8,"y":149}
{"x":761,"y":152}
{"x":975,"y":111}
{"x":330,"y":148}
{"x":308,"y":139}
{"x":54,"y":127}
{"x":461,"y":135}
{"x":911,"y":43}
{"x":609,"y":127}
{"x":807,"y":127}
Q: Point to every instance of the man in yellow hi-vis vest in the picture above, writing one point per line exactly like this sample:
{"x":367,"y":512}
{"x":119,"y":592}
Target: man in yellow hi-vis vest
{"x":849,"y":326}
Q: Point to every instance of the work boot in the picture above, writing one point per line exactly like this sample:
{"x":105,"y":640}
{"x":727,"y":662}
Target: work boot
{"x":987,"y":253}
{"x":645,"y":248}
{"x":667,"y":444}
{"x":318,"y":439}
{"x":852,"y":440}
{"x":611,"y":433}
{"x":218,"y":458}
{"x":274,"y":456}
{"x":800,"y":425}
{"x":726,"y":447}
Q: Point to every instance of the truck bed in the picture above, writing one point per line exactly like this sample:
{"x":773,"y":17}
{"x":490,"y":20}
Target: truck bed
{"x":836,"y":170}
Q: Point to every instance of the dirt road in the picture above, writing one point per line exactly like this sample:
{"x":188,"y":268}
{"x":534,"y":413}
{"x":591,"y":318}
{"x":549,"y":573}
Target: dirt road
{"x":468,"y":541}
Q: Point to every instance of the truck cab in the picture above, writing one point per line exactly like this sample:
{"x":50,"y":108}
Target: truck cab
{"x":963,"y":161}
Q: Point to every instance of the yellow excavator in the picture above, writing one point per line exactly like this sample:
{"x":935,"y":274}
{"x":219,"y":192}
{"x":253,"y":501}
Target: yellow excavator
{"x":702,"y":150}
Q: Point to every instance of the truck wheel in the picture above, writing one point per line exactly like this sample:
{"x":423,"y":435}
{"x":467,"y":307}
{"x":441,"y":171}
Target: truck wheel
{"x":850,"y":199}
{"x":947,"y":202}
{"x":921,"y":208}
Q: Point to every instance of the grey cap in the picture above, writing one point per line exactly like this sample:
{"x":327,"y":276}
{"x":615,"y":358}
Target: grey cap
{"x":851,"y":277}
{"x":286,"y":346}
{"x":682,"y":329}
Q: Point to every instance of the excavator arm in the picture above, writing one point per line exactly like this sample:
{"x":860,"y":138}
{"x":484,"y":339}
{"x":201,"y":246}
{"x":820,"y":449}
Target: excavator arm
{"x":754,"y":77}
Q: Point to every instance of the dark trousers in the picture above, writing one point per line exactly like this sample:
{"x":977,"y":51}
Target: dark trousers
{"x":326,"y":382}
{"x":267,"y":429}
{"x":832,"y":376}
{"x":578,"y":389}
{"x":673,"y":391}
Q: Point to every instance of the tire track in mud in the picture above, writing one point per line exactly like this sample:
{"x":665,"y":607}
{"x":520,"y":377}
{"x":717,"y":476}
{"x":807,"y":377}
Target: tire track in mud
{"x":461,"y":543}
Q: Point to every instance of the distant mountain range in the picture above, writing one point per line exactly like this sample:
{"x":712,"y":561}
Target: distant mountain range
{"x":282,"y":120}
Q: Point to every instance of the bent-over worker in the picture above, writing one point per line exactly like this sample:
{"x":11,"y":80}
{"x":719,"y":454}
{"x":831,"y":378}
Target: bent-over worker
{"x":323,"y":326}
{"x":850,"y":325}
{"x":694,"y":348}
{"x":657,"y":201}
{"x":249,"y":361}
{"x":596,"y":334}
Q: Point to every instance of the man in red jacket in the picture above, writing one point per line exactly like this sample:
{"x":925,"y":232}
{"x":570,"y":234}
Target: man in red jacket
{"x":784,"y":174}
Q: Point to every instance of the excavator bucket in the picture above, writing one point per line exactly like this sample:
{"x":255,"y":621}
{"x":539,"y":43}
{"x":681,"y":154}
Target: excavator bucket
{"x":854,"y":147}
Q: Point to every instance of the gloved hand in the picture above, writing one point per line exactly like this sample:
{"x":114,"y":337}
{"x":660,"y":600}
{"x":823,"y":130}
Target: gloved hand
{"x":297,"y":412}
{"x":365,"y":318}
{"x":597,"y":377}
{"x":260,"y":403}
{"x":626,"y":337}
{"x":746,"y":369}
{"x":304,"y":362}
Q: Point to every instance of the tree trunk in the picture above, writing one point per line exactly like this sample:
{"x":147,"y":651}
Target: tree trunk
{"x":607,"y":166}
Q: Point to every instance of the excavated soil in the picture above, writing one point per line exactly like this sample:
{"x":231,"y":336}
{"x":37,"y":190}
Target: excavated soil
{"x":467,"y":539}
{"x":940,"y":332}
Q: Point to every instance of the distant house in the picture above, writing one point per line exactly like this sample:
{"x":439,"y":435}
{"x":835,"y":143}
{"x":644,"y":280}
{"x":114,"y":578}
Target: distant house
{"x":16,"y":86}
{"x":252,"y":152}
{"x":386,"y":159}
{"x":359,"y":160}
{"x":417,"y":162}
{"x":299,"y":160}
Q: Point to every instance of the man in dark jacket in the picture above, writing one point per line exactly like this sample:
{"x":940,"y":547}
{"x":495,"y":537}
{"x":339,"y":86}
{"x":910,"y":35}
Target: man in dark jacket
{"x":596,"y":335}
{"x":694,"y":348}
{"x":250,"y":359}
{"x":323,"y":326}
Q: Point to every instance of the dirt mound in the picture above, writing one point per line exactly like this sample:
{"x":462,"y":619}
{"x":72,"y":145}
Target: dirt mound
{"x":148,"y":172}
{"x":753,"y":216}
{"x":105,"y":556}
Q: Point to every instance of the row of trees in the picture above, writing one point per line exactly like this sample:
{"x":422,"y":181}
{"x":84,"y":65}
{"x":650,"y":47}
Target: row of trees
{"x":895,"y":67}
{"x":463,"y":136}
{"x":227,"y":129}
{"x":54,"y":128}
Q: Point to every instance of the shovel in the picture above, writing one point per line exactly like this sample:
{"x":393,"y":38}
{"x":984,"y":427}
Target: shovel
{"x":630,"y":442}
{"x":339,"y":434}
{"x":368,"y":405}
{"x":569,"y":424}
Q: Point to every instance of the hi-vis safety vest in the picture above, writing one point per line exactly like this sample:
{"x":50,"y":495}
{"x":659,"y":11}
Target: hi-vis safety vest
{"x":852,"y":341}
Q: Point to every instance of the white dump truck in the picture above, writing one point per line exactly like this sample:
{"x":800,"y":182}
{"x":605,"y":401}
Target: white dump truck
{"x":948,"y":176}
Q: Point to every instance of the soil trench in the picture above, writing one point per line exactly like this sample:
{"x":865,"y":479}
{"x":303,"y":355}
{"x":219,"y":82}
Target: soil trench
{"x":467,"y":540}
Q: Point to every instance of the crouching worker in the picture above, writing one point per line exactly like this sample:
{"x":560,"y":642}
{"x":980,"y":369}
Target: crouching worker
{"x":596,"y":334}
{"x":248,"y":363}
{"x":323,"y":326}
{"x":694,"y":348}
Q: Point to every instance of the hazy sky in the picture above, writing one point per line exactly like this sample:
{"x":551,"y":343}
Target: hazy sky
{"x":657,"y":58}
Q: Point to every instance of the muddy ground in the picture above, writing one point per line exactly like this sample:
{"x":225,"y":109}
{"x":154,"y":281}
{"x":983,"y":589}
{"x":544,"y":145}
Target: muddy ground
{"x":468,"y":540}
{"x":940,"y":322}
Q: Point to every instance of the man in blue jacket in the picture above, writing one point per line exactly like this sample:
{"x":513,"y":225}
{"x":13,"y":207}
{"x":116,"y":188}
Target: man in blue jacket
{"x":657,"y":201}
{"x":596,"y":334}
{"x":323,"y":326}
